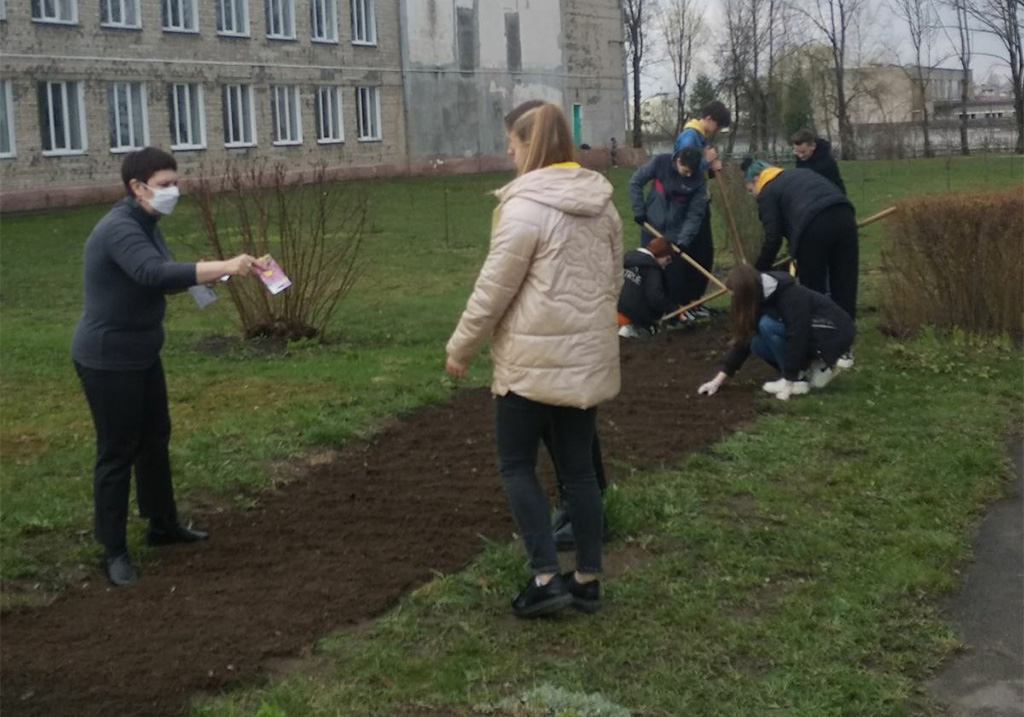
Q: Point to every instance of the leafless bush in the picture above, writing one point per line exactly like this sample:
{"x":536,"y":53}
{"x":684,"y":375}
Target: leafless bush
{"x":312,"y":227}
{"x":954,"y":260}
{"x":729,"y":191}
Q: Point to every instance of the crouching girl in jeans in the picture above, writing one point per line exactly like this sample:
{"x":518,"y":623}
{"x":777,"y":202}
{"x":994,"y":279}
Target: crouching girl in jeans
{"x":546,"y":296}
{"x":798,"y":331}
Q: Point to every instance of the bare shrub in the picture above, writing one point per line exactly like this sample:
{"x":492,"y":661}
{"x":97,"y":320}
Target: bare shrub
{"x":312,"y":227}
{"x":954,"y":261}
{"x":729,"y":188}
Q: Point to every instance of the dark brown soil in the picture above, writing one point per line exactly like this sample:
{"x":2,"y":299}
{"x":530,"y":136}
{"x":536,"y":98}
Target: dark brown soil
{"x":336,"y":547}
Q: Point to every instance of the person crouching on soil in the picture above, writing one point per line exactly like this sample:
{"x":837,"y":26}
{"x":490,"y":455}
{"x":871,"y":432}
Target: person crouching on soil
{"x":675,"y":206}
{"x":798,"y":331}
{"x":644,"y":300}
{"x":546,"y":297}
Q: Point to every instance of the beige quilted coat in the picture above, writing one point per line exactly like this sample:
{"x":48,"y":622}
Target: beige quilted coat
{"x":547,"y":292}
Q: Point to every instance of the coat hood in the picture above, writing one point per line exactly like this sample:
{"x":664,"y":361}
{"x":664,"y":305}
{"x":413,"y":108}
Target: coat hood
{"x":567,"y":187}
{"x":822,"y":147}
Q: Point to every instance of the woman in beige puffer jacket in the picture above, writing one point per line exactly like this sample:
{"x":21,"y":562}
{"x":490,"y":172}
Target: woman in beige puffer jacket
{"x":546,"y":296}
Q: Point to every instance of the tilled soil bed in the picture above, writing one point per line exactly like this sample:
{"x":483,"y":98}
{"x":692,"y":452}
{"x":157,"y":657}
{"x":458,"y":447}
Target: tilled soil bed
{"x":338,"y":545}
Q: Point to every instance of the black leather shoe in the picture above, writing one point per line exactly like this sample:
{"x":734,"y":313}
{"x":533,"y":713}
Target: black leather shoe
{"x":536,"y":600}
{"x":119,"y":571}
{"x":176,"y":533}
{"x":585,"y":596}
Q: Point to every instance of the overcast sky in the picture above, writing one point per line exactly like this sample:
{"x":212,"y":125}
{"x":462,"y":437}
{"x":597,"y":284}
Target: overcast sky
{"x":885,"y":40}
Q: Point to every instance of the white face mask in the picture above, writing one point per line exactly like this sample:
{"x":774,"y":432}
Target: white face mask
{"x":164,"y":198}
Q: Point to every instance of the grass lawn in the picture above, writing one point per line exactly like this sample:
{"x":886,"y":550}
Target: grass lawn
{"x":756,"y":586}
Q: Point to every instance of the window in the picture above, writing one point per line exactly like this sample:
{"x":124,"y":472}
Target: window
{"x":63,"y":11}
{"x":364,"y":23}
{"x":62,"y":117}
{"x":126,"y":108}
{"x":513,"y":46}
{"x":120,"y":13}
{"x":281,"y":19}
{"x":188,"y":121}
{"x":285,"y":115}
{"x":180,"y":16}
{"x":6,"y":120}
{"x":233,"y":17}
{"x":239,"y":116}
{"x":368,"y":113}
{"x":466,"y":29}
{"x":3,"y":9}
{"x":330,"y":127}
{"x":324,"y":20}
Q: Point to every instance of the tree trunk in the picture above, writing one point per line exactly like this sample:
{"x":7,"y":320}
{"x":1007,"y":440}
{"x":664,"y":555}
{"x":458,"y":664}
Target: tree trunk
{"x":848,"y":151}
{"x":1018,"y":108}
{"x":928,"y":152}
{"x":965,"y":147}
{"x":638,"y":132}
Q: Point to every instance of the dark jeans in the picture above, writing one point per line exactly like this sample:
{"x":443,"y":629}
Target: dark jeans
{"x":770,"y":342}
{"x":602,"y":482}
{"x":694,"y":284}
{"x":520,"y":425}
{"x":828,"y":259}
{"x":133,"y":428}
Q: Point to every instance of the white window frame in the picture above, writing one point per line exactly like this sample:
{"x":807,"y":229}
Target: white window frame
{"x":122,"y":6}
{"x":328,"y":108}
{"x":368,"y":95}
{"x":364,"y":15}
{"x":290,"y":96}
{"x":114,"y":114}
{"x":328,"y":29}
{"x":8,"y":111}
{"x":166,"y":13}
{"x":223,"y":14}
{"x":56,"y":17}
{"x":195,"y":94}
{"x":282,"y":11}
{"x":236,"y":97}
{"x":79,"y":89}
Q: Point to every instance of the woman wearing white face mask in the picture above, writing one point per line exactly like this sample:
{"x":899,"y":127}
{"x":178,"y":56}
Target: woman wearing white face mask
{"x":116,"y":351}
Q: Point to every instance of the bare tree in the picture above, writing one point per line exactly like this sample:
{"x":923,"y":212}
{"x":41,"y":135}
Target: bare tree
{"x":835,"y":19}
{"x":735,"y":52}
{"x":635,"y":18}
{"x":1002,"y":18}
{"x":922,"y":25}
{"x":962,"y":45}
{"x":682,"y":26}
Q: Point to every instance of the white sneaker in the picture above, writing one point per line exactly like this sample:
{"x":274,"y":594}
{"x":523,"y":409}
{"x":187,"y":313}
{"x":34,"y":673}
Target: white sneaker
{"x":773,"y":387}
{"x":797,"y":388}
{"x":701,"y":312}
{"x":846,"y":360}
{"x":629,"y":332}
{"x":821,"y":375}
{"x":801,"y":388}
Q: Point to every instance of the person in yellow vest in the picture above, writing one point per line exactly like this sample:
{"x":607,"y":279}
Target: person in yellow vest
{"x":697,"y":133}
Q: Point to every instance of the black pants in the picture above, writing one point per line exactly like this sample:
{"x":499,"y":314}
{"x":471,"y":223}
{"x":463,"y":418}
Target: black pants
{"x":520,"y":425}
{"x":602,"y":482}
{"x":684,"y":282}
{"x":828,"y":259}
{"x":133,"y":429}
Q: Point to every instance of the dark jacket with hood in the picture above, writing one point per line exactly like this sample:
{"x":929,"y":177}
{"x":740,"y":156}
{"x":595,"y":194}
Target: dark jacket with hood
{"x":787,"y":204}
{"x":675,"y":205}
{"x":643,"y":299}
{"x":815,"y":326}
{"x":822,"y":162}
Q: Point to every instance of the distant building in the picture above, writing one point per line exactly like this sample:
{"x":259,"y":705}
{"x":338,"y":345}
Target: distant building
{"x":381,"y":87}
{"x":885,"y":94}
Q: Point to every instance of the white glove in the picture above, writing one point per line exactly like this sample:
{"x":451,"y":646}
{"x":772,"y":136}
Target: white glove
{"x":709,"y":388}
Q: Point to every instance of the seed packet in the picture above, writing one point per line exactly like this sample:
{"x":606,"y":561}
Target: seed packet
{"x":273,"y":276}
{"x":202,"y":295}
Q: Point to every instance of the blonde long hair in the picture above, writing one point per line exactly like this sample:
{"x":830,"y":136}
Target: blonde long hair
{"x":545,"y":131}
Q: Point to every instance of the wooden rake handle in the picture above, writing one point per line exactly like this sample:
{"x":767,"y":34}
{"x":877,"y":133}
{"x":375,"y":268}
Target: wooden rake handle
{"x":875,"y":217}
{"x":686,"y":257}
{"x":698,"y":302}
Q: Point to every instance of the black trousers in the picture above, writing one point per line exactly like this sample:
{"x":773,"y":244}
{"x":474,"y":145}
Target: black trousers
{"x":133,"y":430}
{"x":685,"y":283}
{"x":549,"y":443}
{"x":828,"y":259}
{"x":521,"y":424}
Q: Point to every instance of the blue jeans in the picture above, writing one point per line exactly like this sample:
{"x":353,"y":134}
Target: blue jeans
{"x":770,"y":342}
{"x":520,"y":424}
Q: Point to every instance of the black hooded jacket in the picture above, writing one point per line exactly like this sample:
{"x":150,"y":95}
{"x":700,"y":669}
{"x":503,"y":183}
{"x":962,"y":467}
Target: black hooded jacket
{"x":787,"y":204}
{"x":815,"y":326}
{"x":822,"y":162}
{"x":643,"y":299}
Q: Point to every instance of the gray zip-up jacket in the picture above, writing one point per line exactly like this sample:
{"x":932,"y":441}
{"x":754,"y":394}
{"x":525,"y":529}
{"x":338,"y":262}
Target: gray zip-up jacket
{"x":128,"y":269}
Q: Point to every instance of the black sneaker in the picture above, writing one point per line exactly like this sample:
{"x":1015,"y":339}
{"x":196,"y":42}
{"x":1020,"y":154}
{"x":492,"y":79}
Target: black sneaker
{"x":118,"y":569}
{"x":537,"y":600}
{"x":175,"y":533}
{"x":585,"y":596}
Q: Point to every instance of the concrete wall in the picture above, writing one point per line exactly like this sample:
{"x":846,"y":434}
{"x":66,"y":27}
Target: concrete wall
{"x":34,"y":52}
